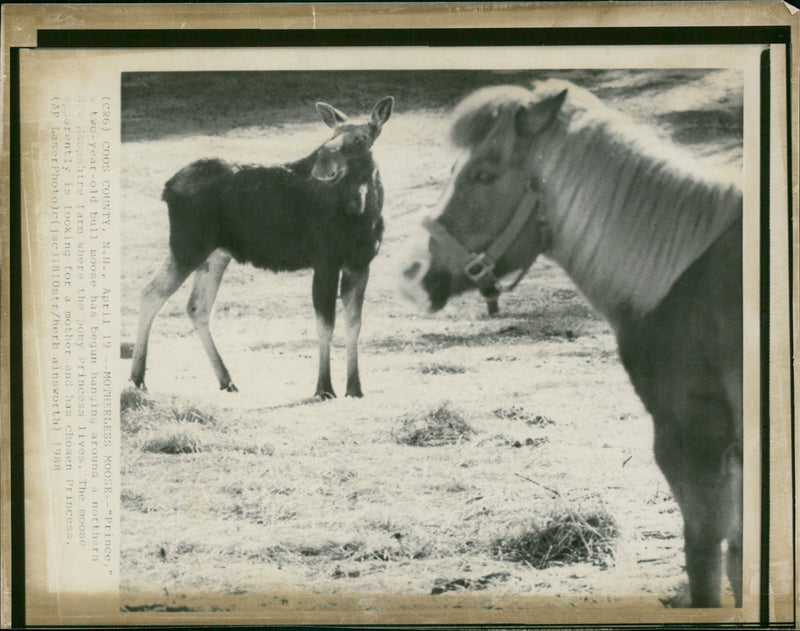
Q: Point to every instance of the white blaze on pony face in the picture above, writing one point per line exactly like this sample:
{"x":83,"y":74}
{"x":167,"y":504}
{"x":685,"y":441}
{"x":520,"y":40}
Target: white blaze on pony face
{"x":417,"y":257}
{"x":415,"y":263}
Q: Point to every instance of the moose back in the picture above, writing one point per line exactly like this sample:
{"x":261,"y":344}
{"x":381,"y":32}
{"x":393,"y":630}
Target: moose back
{"x":321,"y":212}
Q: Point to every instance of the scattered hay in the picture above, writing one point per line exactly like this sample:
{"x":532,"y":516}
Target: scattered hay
{"x":442,"y":369}
{"x":441,"y":426}
{"x":566,"y":537}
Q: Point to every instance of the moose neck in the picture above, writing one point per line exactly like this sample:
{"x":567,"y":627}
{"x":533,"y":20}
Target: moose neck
{"x":626,"y":225}
{"x":361,"y":168}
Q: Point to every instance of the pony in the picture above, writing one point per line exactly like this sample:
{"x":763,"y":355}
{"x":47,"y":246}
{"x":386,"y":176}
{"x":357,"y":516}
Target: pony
{"x":321,"y":212}
{"x":652,"y":239}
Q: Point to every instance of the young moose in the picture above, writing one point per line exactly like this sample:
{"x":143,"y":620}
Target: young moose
{"x":321,"y":212}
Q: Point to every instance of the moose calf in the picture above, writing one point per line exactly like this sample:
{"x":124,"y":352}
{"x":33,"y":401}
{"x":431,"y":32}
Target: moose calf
{"x":321,"y":212}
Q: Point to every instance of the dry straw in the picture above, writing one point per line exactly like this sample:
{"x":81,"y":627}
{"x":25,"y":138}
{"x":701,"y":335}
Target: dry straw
{"x":443,"y":425}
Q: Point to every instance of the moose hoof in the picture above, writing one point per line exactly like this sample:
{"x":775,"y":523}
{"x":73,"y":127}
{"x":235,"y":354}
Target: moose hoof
{"x":356,"y":394}
{"x":229,"y":388}
{"x":324,"y":395}
{"x":138,"y":384}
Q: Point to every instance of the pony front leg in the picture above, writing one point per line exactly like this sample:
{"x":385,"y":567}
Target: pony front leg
{"x":354,"y":284}
{"x":323,"y":294}
{"x":694,"y":463}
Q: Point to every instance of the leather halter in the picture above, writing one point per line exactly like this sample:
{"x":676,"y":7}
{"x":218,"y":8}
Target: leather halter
{"x":479,"y":268}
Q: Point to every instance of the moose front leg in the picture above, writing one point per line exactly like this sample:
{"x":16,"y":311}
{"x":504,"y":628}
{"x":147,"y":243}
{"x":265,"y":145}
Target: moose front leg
{"x":153,"y":296}
{"x":354,"y":284}
{"x":323,"y":293}
{"x":207,"y":279}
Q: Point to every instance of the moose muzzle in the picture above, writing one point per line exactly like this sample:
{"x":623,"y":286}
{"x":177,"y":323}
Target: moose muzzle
{"x":329,"y":166}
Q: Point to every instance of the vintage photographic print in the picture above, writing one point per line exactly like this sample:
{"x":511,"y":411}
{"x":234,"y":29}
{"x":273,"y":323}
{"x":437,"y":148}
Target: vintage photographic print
{"x":419,"y":334}
{"x":498,"y":449}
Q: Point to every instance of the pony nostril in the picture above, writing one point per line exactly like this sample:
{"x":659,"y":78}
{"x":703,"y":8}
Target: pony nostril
{"x":412,"y":270}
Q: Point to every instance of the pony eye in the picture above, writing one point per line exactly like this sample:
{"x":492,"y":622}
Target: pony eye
{"x":484,"y":176}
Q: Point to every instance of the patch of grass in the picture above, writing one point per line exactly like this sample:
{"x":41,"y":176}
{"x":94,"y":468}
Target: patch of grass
{"x":192,"y":414}
{"x":338,"y":572}
{"x":178,"y":440}
{"x":134,"y":399}
{"x":566,"y":537}
{"x":309,"y":552}
{"x":140,"y":411}
{"x":133,"y":501}
{"x":167,"y":425}
{"x":440,"y":426}
{"x":442,"y":369}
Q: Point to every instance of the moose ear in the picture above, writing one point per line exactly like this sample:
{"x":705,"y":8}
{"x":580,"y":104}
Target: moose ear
{"x":534,"y":118}
{"x":382,"y":111}
{"x":330,"y":115}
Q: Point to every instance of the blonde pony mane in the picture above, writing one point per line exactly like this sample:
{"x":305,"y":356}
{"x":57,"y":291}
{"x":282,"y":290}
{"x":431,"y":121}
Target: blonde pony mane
{"x":629,"y":210}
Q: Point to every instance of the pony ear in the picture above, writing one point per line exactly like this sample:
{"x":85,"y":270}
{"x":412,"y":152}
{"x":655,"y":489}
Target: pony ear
{"x":534,"y":118}
{"x":330,"y":115}
{"x":382,"y":111}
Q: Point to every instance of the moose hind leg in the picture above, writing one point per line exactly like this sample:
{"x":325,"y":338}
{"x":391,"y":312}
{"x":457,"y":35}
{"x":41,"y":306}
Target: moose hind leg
{"x":354,"y":284}
{"x":153,"y":296}
{"x":323,"y":293}
{"x":207,"y":279}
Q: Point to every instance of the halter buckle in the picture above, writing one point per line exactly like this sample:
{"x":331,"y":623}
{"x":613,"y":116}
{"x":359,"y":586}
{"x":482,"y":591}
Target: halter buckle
{"x":478,"y":268}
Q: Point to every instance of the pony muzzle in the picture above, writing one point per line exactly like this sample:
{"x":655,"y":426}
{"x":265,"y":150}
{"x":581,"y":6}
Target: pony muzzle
{"x":411,"y":275}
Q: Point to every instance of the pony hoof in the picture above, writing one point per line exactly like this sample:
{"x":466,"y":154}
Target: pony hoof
{"x":139,"y":385}
{"x":229,"y":388}
{"x":324,"y":395}
{"x":356,"y":394}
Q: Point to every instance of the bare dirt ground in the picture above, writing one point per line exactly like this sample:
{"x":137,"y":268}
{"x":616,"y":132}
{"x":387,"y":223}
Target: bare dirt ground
{"x":272,"y":492}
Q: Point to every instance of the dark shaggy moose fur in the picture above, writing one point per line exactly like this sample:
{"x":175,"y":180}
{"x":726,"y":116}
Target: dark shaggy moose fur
{"x":277,"y":218}
{"x":321,"y":212}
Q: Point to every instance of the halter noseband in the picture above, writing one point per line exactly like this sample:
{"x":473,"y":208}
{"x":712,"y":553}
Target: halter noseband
{"x":479,"y":268}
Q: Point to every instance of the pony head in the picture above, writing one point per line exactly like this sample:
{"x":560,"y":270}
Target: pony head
{"x":494,"y":186}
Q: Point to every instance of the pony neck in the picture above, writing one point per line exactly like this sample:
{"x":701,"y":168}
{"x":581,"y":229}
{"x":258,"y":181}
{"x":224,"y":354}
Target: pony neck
{"x":627,"y":224}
